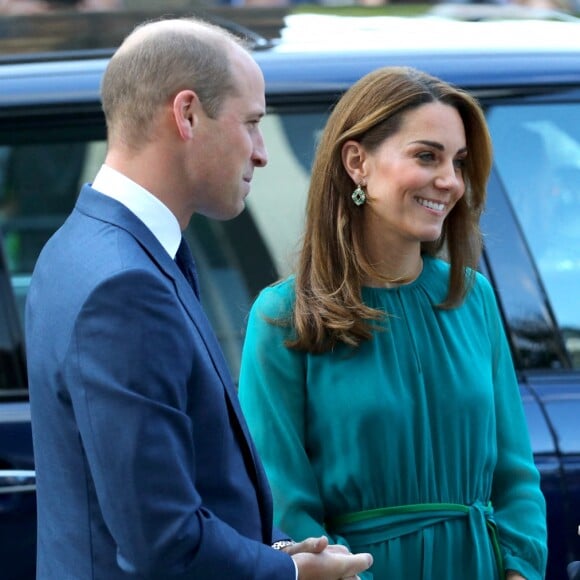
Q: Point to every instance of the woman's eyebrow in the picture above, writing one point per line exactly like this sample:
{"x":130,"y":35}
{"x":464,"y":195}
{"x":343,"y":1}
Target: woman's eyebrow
{"x":437,"y":145}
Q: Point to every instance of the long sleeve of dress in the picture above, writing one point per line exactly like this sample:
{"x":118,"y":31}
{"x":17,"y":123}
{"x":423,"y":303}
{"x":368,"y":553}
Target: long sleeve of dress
{"x":520,"y":510}
{"x":272,"y":390}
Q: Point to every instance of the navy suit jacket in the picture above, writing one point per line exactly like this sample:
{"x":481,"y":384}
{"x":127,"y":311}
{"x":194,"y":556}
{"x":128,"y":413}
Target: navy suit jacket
{"x":145,"y":467}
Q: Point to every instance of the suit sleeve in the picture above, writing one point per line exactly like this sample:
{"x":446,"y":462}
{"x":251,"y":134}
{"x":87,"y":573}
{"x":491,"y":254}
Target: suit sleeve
{"x":519,"y":506}
{"x":131,"y":368}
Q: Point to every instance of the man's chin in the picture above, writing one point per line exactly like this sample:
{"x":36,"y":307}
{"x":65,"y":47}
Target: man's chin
{"x":229,"y":213}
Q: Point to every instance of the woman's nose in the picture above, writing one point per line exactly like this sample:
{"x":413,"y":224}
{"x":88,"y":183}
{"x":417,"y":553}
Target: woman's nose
{"x":449,"y":177}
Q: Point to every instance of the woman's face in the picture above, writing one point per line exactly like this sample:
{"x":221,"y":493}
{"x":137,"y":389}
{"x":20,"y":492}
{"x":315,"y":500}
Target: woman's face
{"x":415,"y":177}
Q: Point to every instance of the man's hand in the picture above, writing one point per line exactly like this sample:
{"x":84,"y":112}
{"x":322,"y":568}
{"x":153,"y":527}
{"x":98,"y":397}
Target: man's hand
{"x":310,"y":546}
{"x":317,"y":560}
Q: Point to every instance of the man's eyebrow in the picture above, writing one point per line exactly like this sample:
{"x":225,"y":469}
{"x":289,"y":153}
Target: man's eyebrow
{"x":257,"y":114}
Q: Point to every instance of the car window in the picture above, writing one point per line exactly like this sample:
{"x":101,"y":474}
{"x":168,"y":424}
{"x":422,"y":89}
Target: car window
{"x":40,"y":181}
{"x":279,"y":193}
{"x":12,"y":364}
{"x":39,"y":184}
{"x":278,"y":197}
{"x":537,"y":155}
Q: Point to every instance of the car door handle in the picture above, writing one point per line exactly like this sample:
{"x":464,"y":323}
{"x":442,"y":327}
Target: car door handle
{"x":17,"y":480}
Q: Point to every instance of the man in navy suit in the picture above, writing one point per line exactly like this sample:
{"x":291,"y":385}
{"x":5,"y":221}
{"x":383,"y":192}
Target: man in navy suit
{"x":145,"y":468}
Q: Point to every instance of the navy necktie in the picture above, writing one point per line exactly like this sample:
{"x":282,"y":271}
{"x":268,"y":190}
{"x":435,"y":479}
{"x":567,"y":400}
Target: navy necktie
{"x":184,"y":260}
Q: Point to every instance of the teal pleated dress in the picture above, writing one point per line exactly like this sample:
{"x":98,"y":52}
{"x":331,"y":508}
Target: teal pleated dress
{"x":413,"y":447}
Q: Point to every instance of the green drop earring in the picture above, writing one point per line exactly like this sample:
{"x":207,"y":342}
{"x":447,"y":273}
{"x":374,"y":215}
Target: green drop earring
{"x":358,"y":195}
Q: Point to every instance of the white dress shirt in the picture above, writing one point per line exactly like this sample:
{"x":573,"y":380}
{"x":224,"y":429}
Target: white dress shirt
{"x":152,"y":212}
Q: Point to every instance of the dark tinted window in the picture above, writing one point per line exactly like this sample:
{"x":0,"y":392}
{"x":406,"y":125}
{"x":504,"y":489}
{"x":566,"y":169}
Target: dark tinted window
{"x":12,"y":365}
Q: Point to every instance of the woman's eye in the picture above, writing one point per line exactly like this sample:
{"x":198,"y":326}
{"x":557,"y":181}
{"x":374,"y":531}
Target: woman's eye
{"x":426,"y":156}
{"x":460,"y":163}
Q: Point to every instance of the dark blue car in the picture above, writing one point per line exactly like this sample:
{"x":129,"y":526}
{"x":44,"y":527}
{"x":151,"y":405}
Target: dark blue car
{"x":526,"y":74}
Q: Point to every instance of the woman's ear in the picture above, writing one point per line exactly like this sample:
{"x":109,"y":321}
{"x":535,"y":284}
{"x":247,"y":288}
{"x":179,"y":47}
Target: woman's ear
{"x":185,"y":106}
{"x":353,"y":157}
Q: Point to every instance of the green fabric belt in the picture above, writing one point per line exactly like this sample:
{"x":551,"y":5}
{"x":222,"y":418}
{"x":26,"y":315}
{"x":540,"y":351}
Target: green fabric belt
{"x":383,"y":524}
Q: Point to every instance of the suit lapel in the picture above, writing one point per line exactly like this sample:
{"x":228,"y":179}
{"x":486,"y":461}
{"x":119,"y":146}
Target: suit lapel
{"x":106,"y":209}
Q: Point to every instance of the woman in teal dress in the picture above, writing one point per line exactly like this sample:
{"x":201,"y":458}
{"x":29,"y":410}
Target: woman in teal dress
{"x":377,"y":381}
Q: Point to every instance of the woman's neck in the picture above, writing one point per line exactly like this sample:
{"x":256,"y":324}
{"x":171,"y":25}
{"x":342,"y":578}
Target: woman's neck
{"x":395,"y":269}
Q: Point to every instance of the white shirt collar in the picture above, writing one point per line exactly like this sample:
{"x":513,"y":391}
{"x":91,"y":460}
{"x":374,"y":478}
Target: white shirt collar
{"x":149,"y":209}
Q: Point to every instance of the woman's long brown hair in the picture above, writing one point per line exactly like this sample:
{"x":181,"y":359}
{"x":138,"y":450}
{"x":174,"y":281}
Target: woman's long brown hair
{"x":332,"y":262}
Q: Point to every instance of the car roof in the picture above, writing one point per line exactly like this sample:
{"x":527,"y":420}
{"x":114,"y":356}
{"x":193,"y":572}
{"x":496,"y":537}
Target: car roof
{"x":431,"y":33}
{"x":326,"y":54}
{"x":330,"y":51}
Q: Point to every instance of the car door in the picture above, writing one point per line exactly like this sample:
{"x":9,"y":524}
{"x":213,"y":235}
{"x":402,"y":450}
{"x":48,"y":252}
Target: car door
{"x":17,"y":484}
{"x":532,"y":240}
{"x":543,"y":356}
{"x":47,"y":152}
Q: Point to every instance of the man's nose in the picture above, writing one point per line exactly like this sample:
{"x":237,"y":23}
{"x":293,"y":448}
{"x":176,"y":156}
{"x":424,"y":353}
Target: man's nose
{"x":260,"y":156}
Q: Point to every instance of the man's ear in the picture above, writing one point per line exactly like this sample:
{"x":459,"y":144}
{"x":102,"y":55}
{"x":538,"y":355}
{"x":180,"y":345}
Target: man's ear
{"x":185,"y":113}
{"x":353,"y":158}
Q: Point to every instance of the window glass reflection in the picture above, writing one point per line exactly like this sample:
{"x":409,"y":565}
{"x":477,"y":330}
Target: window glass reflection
{"x":39,"y":185}
{"x":537,"y":153}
